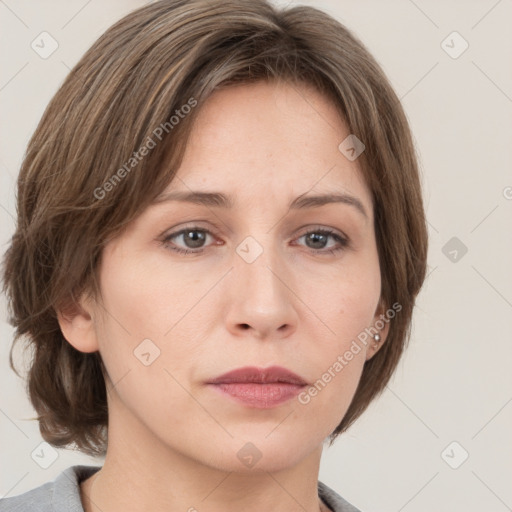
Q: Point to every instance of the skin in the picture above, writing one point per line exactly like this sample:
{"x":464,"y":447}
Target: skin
{"x":173,"y":440}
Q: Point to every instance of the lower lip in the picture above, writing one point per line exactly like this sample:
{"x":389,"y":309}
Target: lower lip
{"x":261,"y":396}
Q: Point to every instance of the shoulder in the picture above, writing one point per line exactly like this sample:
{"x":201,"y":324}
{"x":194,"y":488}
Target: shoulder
{"x":333,"y":500}
{"x":60,"y":495}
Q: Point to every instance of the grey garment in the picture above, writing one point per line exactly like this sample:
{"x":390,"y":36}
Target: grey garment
{"x":59,"y":495}
{"x":63,"y":495}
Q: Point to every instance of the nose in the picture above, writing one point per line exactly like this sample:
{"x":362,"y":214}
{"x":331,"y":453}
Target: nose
{"x":261,"y":299}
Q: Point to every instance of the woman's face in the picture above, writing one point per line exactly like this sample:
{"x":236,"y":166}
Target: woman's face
{"x":263,"y":285}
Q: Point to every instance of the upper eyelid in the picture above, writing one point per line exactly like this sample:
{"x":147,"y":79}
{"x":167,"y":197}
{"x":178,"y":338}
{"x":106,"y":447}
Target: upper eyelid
{"x":331,"y":232}
{"x":216,"y":231}
{"x":181,"y":231}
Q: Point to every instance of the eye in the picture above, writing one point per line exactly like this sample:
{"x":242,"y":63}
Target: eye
{"x":317,"y":241}
{"x":193,"y":238}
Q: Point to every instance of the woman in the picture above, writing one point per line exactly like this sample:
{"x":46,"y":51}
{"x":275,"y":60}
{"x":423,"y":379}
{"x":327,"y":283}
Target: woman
{"x":220,"y":240}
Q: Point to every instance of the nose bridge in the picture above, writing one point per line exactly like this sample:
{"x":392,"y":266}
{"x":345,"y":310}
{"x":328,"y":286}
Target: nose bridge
{"x":259,"y":297}
{"x":258,"y":266}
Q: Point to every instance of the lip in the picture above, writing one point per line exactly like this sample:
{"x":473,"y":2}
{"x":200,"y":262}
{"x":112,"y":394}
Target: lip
{"x":261,"y":388}
{"x":252,"y":374}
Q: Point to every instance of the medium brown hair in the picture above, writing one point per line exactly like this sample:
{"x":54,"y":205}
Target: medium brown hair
{"x":72,"y":196}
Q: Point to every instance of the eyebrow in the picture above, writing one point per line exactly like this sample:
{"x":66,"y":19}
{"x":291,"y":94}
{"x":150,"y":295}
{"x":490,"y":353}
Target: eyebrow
{"x":220,"y":200}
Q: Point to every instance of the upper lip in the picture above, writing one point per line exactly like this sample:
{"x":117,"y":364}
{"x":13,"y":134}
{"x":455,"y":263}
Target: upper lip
{"x":268,"y":375}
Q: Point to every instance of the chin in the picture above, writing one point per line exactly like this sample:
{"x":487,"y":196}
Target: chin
{"x":255,"y":454}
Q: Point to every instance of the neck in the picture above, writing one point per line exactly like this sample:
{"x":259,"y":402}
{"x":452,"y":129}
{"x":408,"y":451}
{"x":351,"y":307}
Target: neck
{"x":143,"y":473}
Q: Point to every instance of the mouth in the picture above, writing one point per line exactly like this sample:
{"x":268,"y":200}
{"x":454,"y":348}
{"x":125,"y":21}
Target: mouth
{"x":261,"y":388}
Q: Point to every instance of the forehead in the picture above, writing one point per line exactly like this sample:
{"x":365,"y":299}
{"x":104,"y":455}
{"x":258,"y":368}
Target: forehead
{"x":268,"y":140}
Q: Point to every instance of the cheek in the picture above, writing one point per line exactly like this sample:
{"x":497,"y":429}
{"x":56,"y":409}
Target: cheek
{"x":325,"y":402}
{"x":339,"y":361}
{"x":346,"y":306}
{"x":143,"y":296}
{"x":146,"y":305}
{"x":360,"y":292}
{"x":135,"y":336}
{"x":347,"y":300}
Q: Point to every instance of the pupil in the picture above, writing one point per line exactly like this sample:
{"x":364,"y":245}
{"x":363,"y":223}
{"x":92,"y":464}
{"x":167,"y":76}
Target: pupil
{"x":315,"y":237}
{"x":196,"y":237}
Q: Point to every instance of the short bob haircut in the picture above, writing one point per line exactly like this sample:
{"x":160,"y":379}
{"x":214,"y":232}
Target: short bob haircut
{"x":112,"y":138}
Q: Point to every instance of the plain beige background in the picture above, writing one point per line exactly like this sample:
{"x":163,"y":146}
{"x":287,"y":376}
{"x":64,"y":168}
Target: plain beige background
{"x":451,"y":396}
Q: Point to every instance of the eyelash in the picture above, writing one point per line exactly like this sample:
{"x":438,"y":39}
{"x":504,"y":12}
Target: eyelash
{"x":343,"y":242}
